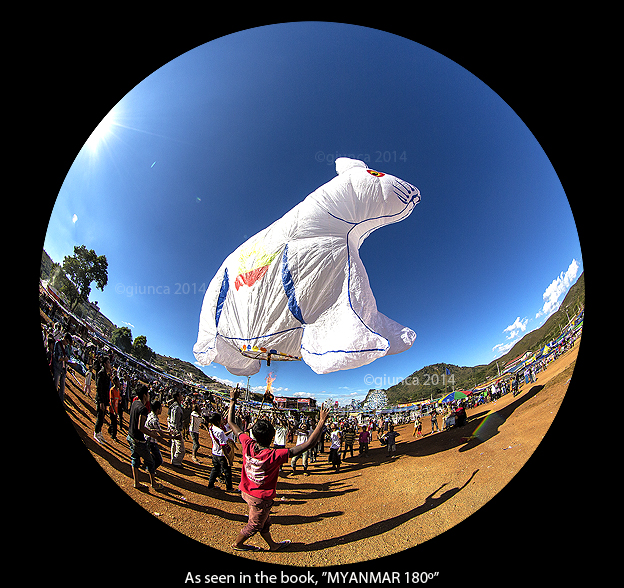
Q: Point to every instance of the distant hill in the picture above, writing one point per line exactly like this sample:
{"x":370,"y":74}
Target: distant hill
{"x":552,"y":328}
{"x":186,"y":371}
{"x":430,"y":380}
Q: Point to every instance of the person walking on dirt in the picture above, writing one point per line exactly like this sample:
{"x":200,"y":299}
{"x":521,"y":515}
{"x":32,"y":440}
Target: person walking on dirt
{"x":153,"y":423}
{"x":194,"y":425}
{"x":102,"y":397}
{"x":364,"y":440}
{"x":174,"y":420}
{"x":60,"y":357}
{"x":390,"y":438}
{"x":302,"y":436}
{"x":138,"y":443}
{"x":349,"y":439}
{"x":115,"y":398}
{"x":434,"y":421}
{"x":334,"y":448}
{"x":220,"y":464}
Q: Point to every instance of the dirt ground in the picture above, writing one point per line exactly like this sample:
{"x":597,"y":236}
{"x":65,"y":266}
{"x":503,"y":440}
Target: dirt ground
{"x":375,"y":506}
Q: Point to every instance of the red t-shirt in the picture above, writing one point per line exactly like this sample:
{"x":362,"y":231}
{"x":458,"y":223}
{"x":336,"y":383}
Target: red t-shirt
{"x":260,"y":470}
{"x":115,"y":397}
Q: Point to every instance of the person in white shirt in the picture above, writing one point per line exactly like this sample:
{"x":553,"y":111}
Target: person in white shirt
{"x":174,"y":421}
{"x":280,"y":436}
{"x":87,"y":383}
{"x":220,"y":464}
{"x":334,"y":448}
{"x":194,"y":425}
{"x":302,"y":436}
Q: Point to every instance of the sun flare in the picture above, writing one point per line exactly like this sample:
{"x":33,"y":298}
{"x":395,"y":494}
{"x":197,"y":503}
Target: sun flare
{"x":101,"y":132}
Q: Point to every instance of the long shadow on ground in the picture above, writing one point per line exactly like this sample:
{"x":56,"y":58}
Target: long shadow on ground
{"x":385,"y":525}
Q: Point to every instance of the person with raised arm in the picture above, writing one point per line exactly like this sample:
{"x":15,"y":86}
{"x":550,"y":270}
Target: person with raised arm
{"x":261,"y":466}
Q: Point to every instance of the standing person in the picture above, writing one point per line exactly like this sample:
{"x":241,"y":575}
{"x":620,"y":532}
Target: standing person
{"x":194,"y":425}
{"x":302,"y":437}
{"x":60,"y":357}
{"x":50,"y":353}
{"x":349,"y":439}
{"x":87,"y":383}
{"x":291,"y":431}
{"x":102,"y":396}
{"x":174,"y":421}
{"x":153,"y":424}
{"x":434,"y":420}
{"x":220,"y":463}
{"x":187,"y":409}
{"x":115,"y":397}
{"x":137,"y":442}
{"x":364,"y":440}
{"x":417,"y":427}
{"x":279,"y":442}
{"x":334,"y":448}
{"x":280,"y":434}
{"x":390,"y":437}
{"x":123,"y":400}
{"x":260,"y":472}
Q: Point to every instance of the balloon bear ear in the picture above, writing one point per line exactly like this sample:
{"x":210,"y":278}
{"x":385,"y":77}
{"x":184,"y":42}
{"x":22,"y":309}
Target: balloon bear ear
{"x":344,"y":164}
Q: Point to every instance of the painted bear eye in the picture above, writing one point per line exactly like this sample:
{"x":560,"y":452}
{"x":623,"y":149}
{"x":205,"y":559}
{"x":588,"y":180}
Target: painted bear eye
{"x":377,"y":174}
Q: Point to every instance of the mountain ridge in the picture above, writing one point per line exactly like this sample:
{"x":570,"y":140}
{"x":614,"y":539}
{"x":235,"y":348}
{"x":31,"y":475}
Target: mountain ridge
{"x":432,"y":381}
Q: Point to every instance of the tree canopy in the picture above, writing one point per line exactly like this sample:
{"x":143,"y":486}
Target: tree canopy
{"x":82,"y":268}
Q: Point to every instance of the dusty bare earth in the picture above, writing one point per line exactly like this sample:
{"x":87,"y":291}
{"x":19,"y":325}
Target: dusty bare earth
{"x":375,"y":505}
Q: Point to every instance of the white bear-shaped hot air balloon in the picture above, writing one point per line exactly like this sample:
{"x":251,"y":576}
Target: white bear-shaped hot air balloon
{"x":298,"y":289}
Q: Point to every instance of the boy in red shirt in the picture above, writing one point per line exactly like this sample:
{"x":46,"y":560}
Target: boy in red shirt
{"x":261,"y":466}
{"x":115,"y":397}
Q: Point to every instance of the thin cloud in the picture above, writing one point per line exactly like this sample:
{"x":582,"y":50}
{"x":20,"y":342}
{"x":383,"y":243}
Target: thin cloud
{"x":515,"y":328}
{"x":558,"y":288}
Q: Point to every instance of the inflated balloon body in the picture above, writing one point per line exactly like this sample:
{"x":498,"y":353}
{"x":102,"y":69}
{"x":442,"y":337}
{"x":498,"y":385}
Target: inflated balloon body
{"x":298,"y":289}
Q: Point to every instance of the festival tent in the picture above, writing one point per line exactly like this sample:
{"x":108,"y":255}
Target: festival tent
{"x":515,"y":364}
{"x":455,"y":395}
{"x":394,"y":409}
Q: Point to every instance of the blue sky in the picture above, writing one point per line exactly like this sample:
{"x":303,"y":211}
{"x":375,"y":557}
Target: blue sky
{"x":223,"y":140}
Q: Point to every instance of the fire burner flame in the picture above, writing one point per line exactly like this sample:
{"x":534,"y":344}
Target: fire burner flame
{"x":268,"y":396}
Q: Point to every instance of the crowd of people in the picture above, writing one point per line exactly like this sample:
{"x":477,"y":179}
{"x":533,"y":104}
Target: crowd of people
{"x":133,"y":403}
{"x":269,"y":439}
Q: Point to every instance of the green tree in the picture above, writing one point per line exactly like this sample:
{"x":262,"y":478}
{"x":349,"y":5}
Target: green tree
{"x":82,"y":268}
{"x":122,"y":338}
{"x":59,"y":281}
{"x":140,"y":348}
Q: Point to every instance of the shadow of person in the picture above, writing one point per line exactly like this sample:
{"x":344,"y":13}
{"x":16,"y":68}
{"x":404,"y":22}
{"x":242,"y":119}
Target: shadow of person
{"x":386,"y":525}
{"x":489,"y":426}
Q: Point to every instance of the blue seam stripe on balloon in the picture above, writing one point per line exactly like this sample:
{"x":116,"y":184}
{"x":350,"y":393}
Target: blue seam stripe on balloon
{"x":225,"y":286}
{"x":349,"y":298}
{"x":342,"y":351}
{"x":289,"y":288}
{"x":349,"y":289}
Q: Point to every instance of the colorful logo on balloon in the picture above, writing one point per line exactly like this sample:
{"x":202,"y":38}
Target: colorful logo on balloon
{"x":253,"y":263}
